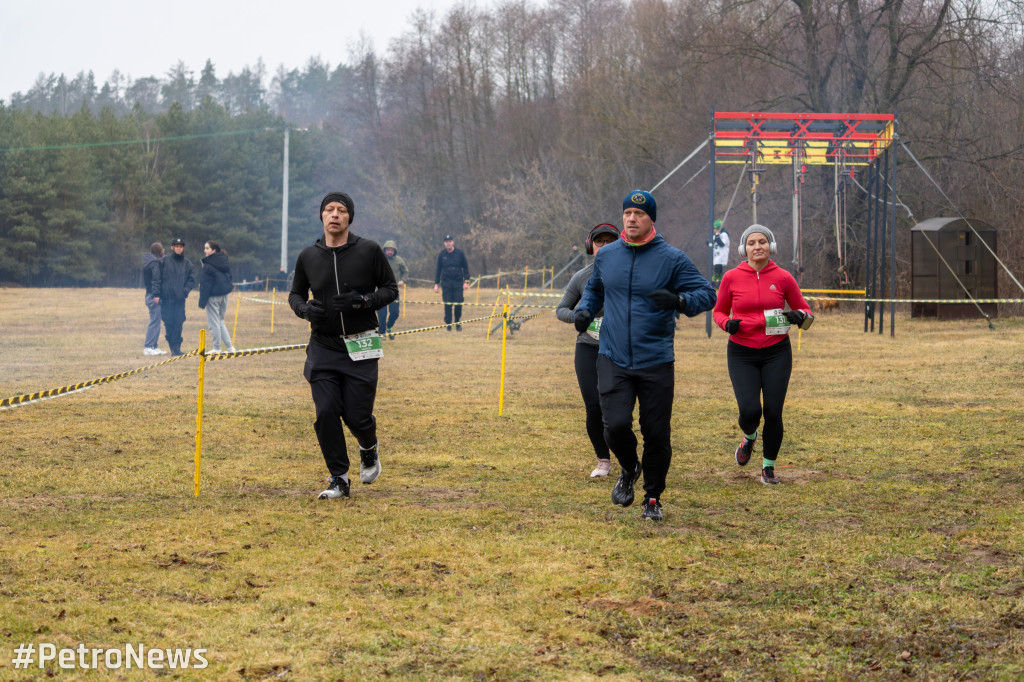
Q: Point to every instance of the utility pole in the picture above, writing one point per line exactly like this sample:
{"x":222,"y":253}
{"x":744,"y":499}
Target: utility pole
{"x":284,"y":206}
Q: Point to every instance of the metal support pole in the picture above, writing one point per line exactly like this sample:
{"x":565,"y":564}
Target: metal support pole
{"x":711,"y":222}
{"x":869,"y":269}
{"x":284,"y":207}
{"x":892,"y":238}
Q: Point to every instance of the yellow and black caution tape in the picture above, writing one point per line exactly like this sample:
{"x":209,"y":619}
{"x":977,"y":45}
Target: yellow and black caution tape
{"x":263,"y":300}
{"x":210,"y":357}
{"x":948,"y":301}
{"x":485,"y":305}
{"x":28,"y":398}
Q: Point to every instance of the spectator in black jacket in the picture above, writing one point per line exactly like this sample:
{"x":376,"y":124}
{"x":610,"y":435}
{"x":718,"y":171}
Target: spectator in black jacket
{"x":451,"y":278}
{"x":350,"y":279}
{"x":151,"y":276}
{"x":178,"y":279}
{"x":214,"y":287}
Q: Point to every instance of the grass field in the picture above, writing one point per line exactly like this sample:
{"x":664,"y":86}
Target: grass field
{"x":484,"y":552}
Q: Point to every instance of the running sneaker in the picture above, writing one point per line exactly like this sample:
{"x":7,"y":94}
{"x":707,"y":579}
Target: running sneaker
{"x":745,"y":450}
{"x":369,"y":465}
{"x":768,"y":476}
{"x":337,"y":487}
{"x":622,"y":493}
{"x":604,"y":467}
{"x":652,"y":510}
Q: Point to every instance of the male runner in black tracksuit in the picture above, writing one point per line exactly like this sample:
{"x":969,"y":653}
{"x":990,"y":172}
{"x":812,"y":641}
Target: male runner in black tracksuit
{"x":350,"y":279}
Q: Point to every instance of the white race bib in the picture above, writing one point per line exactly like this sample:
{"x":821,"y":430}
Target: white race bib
{"x":594,"y":330}
{"x":775,"y":323}
{"x":364,"y":346}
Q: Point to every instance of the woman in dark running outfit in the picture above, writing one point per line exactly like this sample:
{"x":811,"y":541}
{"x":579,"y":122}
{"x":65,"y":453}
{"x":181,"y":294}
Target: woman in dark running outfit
{"x":586,"y":349}
{"x":752,"y":298}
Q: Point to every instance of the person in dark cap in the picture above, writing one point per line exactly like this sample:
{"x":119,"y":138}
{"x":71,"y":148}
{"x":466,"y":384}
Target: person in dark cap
{"x":451,"y":278}
{"x":587,"y":347}
{"x":178,"y":278}
{"x":350,"y":279}
{"x":641,"y":281}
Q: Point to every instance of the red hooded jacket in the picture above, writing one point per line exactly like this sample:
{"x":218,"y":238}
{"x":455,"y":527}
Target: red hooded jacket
{"x":745,"y":293}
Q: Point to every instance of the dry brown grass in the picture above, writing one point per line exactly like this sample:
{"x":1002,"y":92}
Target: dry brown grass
{"x":484,"y":551}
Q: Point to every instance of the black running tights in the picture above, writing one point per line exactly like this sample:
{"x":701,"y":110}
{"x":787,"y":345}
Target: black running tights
{"x":758,"y":373}
{"x":586,"y":375}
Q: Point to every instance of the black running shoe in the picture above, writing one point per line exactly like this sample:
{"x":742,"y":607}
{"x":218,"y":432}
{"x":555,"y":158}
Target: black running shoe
{"x":338,"y":487}
{"x":622,"y":493}
{"x":652,"y":510}
{"x":768,"y":476}
{"x":745,"y":450}
{"x":458,"y":327}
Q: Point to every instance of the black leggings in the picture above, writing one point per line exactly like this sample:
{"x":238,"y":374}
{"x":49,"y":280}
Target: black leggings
{"x":586,"y":375}
{"x":756,"y":372}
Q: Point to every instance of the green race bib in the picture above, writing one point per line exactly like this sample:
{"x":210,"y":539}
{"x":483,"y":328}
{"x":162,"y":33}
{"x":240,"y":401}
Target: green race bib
{"x":594,"y":330}
{"x":775,"y":323}
{"x":364,"y":346}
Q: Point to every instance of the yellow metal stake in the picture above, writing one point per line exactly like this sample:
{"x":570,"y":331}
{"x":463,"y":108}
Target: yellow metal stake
{"x":199,"y":406}
{"x":504,"y":337}
{"x":478,"y":289}
{"x":403,"y":299}
{"x":526,"y":278}
{"x":238,"y":299}
{"x":273,"y":295}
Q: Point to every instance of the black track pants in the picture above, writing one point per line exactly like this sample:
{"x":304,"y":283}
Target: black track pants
{"x":653,"y":388}
{"x":343,"y":391}
{"x":586,"y":375}
{"x":758,"y":373}
{"x":452,"y":292}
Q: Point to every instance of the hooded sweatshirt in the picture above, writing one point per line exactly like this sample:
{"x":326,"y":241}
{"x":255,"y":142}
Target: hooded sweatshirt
{"x":745,"y":294}
{"x":151,"y":274}
{"x":358,"y":265}
{"x":398,"y":266}
{"x":216,"y":277}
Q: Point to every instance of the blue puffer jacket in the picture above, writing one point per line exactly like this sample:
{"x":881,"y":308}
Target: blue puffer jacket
{"x":634,"y":333}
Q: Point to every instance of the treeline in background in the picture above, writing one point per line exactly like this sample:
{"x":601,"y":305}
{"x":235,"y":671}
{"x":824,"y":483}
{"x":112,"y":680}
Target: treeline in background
{"x":516,"y":128}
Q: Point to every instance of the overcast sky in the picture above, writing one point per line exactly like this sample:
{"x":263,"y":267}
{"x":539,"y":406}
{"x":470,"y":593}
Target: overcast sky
{"x":148,"y":38}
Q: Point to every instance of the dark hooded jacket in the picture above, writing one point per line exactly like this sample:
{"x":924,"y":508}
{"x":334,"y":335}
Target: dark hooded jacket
{"x":358,"y":265}
{"x":216,"y":277}
{"x":178,"y":277}
{"x":151,"y":274}
{"x":398,"y":266}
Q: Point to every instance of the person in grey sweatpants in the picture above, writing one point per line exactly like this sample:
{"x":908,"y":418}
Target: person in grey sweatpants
{"x":152,"y":271}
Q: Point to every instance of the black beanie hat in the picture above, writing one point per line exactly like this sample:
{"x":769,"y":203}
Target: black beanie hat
{"x":343,"y":198}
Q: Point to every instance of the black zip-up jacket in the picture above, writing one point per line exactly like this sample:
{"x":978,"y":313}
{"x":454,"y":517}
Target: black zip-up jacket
{"x":215,"y":279}
{"x":452,"y":268}
{"x":358,"y":265}
{"x":178,"y":277}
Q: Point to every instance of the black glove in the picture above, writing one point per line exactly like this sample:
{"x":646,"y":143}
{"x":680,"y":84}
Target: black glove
{"x":315,"y":312}
{"x":581,"y":320}
{"x":348,"y":300}
{"x":794,"y":316}
{"x":732,"y":326}
{"x":664,"y":299}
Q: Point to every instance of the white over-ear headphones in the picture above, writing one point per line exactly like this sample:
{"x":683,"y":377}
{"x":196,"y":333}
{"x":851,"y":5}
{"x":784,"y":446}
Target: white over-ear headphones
{"x":772,"y":246}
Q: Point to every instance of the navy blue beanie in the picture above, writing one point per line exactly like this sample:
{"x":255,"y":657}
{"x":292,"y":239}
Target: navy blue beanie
{"x":642,"y":200}
{"x":343,"y":198}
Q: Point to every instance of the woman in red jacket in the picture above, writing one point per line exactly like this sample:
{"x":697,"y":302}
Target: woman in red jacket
{"x":751,"y":307}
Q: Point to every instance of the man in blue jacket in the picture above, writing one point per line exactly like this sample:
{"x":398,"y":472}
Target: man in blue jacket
{"x":642,"y":281}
